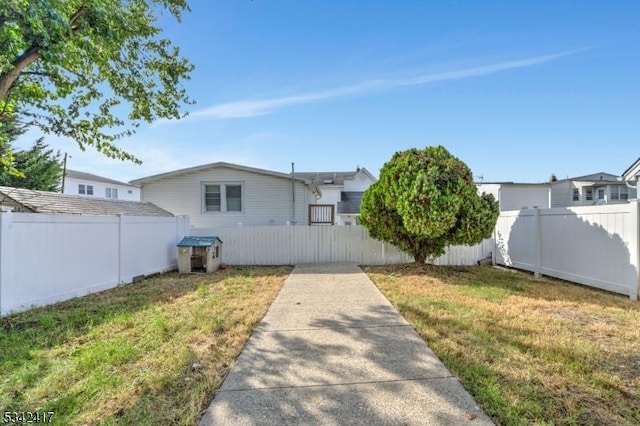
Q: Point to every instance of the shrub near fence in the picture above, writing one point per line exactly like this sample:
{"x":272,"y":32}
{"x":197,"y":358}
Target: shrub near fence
{"x":289,"y":245}
{"x":596,"y":245}
{"x":49,"y":258}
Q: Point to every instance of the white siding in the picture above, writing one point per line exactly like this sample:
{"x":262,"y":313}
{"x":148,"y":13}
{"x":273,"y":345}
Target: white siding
{"x":266,"y":200}
{"x":359,"y":183}
{"x":561,"y":194}
{"x":99,"y":189}
{"x":330,"y":194}
{"x":515,"y":197}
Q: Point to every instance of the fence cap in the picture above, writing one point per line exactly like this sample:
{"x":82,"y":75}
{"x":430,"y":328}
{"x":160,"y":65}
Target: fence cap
{"x":198,"y":241}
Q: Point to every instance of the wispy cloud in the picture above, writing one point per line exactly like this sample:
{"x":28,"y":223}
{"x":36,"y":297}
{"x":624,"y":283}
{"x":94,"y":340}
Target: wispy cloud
{"x":257,"y":107}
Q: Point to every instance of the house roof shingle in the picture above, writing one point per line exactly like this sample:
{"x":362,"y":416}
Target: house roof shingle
{"x":51,"y":202}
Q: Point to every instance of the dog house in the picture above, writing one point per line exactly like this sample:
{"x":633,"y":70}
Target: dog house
{"x":199,"y":254}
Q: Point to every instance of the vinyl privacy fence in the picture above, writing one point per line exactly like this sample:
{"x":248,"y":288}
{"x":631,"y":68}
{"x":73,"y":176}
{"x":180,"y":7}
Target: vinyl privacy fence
{"x":49,"y":258}
{"x":289,"y":245}
{"x":597,"y":245}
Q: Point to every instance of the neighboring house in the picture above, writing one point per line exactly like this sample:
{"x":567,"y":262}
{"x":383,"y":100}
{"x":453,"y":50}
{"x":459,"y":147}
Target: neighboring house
{"x":90,"y":185}
{"x":597,"y":188}
{"x":340,"y":190}
{"x":30,"y":201}
{"x":224,"y":194}
{"x":632,"y":174}
{"x":516,"y":196}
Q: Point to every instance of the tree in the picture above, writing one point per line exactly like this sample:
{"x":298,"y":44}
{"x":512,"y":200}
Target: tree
{"x":40,"y":168}
{"x":424,"y":201}
{"x":73,"y":66}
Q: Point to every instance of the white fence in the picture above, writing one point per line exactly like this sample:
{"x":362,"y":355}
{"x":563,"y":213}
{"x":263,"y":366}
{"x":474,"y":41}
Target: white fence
{"x":595,"y":246}
{"x":49,"y":258}
{"x":288,"y":245}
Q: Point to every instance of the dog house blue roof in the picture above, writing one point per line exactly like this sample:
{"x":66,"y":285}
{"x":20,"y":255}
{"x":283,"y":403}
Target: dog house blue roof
{"x":198,"y":241}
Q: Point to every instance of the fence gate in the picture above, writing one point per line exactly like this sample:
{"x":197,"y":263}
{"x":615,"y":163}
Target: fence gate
{"x":321,"y":214}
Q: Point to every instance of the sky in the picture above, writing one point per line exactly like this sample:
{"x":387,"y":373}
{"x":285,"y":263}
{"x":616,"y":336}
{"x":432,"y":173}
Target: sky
{"x":517,"y":90}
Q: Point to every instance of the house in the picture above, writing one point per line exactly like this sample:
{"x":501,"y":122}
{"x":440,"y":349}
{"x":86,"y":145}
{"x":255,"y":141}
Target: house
{"x":516,"y":196}
{"x":597,"y":188}
{"x":632,"y":174}
{"x":30,"y":201}
{"x":341,"y":194}
{"x":90,"y":185}
{"x":224,"y":194}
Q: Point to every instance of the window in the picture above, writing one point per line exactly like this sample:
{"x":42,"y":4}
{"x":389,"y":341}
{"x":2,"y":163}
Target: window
{"x":576,"y":194}
{"x":234,"y":198}
{"x":111,"y":193}
{"x":619,"y":192}
{"x":600,"y":194}
{"x":212,"y":198}
{"x":129,"y":192}
{"x":589,"y":195}
{"x":615,"y":192}
{"x":85,"y":189}
{"x":624,"y":193}
{"x":222,"y":197}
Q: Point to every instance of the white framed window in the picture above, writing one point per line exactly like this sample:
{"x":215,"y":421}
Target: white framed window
{"x":589,"y":194}
{"x":576,"y":194}
{"x":615,"y":192}
{"x":222,"y":197}
{"x":624,"y":192}
{"x":85,"y":189}
{"x":600,"y":194}
{"x":111,"y":193}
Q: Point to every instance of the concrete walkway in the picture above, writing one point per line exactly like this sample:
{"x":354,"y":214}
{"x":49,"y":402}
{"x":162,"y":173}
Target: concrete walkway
{"x":332,"y":350}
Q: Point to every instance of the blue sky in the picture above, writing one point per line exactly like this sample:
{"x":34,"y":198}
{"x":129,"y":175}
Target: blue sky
{"x":516,"y":90}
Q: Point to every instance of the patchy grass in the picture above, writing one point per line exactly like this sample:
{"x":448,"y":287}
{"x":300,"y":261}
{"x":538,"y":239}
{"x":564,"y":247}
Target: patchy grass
{"x":531,"y":351}
{"x":126,"y":355}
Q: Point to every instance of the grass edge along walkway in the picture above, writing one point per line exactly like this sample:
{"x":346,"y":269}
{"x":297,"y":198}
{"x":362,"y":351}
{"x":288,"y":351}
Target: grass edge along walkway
{"x":530,"y":351}
{"x":153,"y":352}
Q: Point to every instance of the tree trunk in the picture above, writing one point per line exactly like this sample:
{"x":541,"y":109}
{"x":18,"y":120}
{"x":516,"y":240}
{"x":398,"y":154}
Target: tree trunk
{"x":23,"y":61}
{"x":419,"y":259}
{"x":29,"y":56}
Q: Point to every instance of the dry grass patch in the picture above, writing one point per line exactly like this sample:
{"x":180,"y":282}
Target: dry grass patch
{"x":531,"y":351}
{"x":126,"y":355}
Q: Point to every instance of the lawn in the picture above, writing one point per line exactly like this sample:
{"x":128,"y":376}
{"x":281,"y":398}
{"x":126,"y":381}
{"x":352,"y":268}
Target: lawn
{"x":127,"y":355}
{"x":531,"y":351}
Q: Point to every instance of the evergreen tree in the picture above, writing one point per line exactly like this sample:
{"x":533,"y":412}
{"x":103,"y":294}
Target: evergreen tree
{"x":424,"y":201}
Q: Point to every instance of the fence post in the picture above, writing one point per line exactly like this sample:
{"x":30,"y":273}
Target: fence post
{"x":538,"y":244}
{"x":5,"y":252}
{"x":120,"y":250}
{"x":635,"y":246}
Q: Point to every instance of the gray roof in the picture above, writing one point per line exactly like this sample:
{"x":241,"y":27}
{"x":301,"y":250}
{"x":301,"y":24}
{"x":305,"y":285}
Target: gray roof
{"x":74,"y":174}
{"x":52,"y":202}
{"x":349,"y":202}
{"x":213,"y":166}
{"x":332,"y":178}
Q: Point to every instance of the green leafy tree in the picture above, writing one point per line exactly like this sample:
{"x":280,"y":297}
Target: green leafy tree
{"x":90,"y":70}
{"x":424,"y":201}
{"x":40,"y":168}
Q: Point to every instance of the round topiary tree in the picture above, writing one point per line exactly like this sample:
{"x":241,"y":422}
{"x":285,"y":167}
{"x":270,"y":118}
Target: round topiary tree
{"x":424,"y":201}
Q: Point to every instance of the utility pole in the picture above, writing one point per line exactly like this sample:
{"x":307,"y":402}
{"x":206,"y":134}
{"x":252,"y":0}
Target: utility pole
{"x":64,"y":171}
